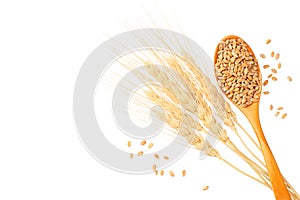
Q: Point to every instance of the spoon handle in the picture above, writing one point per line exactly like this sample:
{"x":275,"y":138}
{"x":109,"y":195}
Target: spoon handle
{"x":277,"y":181}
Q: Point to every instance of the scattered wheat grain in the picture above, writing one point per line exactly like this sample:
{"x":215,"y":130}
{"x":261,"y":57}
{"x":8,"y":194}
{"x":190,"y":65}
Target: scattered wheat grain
{"x":277,"y":56}
{"x":262,"y":55}
{"x":268,"y":41}
{"x":274,"y":71}
{"x":265,"y":82}
{"x":270,"y":75}
{"x":279,"y":66}
{"x":166,"y":157}
{"x":171,"y":173}
{"x":266,"y":92}
{"x":274,"y":78}
{"x":154,"y":167}
{"x":143,"y":142}
{"x":272,"y":54}
{"x":289,"y":78}
{"x":156,"y":156}
{"x":277,"y":113}
{"x":183,"y":173}
{"x":129,"y":143}
{"x":280,"y":108}
{"x":205,"y":188}
{"x":162,"y":172}
{"x":150,"y":145}
{"x":283,"y":115}
{"x":140,"y":153}
{"x":266,"y":66}
{"x":271,"y":107}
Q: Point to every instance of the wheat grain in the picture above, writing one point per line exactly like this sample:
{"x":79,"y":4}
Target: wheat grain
{"x":143,"y":142}
{"x":265,"y":82}
{"x":154,"y":167}
{"x":162,"y":172}
{"x":171,"y":173}
{"x":266,"y":66}
{"x":150,"y":145}
{"x":274,"y":71}
{"x":205,"y":188}
{"x":279,"y":66}
{"x":283,"y":115}
{"x":268,"y":41}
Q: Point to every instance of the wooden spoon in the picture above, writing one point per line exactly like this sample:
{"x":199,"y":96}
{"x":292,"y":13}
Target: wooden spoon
{"x":252,"y":113}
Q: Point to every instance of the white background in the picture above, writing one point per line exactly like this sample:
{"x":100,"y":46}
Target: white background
{"x":42,"y":47}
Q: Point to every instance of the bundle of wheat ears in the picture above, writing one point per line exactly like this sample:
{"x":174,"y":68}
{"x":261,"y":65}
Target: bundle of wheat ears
{"x":194,"y":107}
